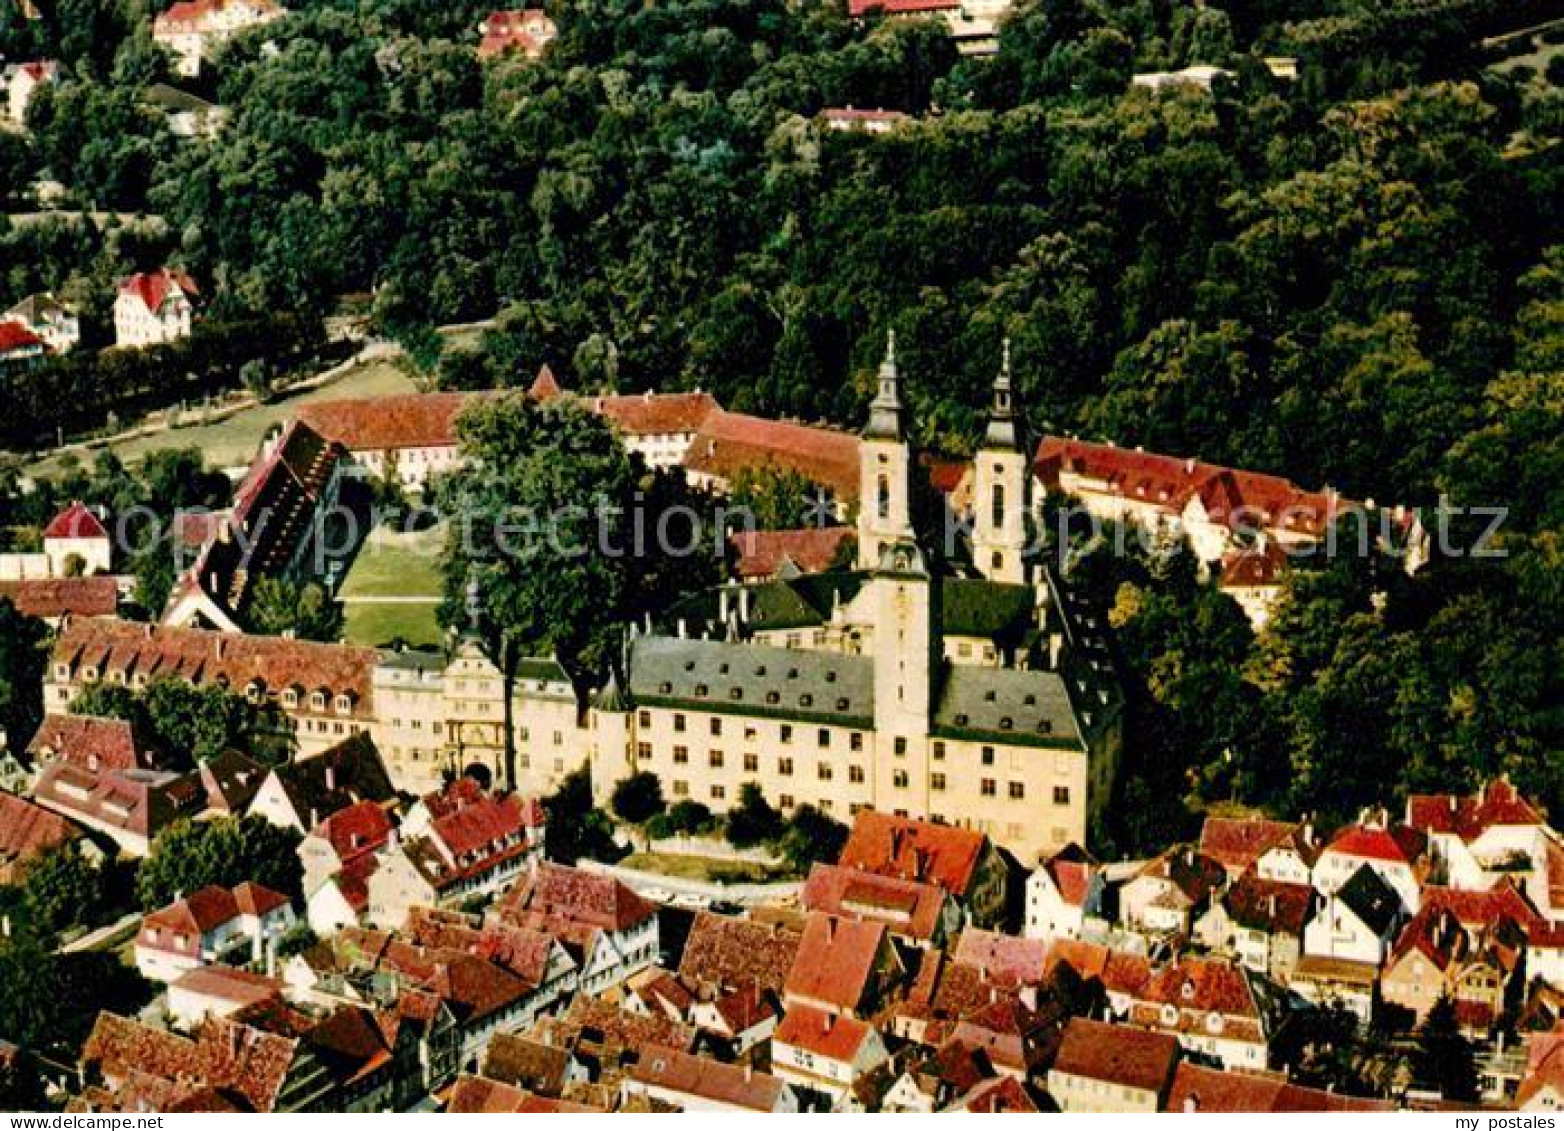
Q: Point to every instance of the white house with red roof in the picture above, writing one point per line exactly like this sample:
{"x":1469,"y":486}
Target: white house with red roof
{"x":525,"y":32}
{"x":921,"y":914}
{"x":458,"y":844}
{"x":1062,"y":894}
{"x":1219,"y":1009}
{"x":194,"y":30}
{"x":820,"y":1052}
{"x":1478,"y":840}
{"x":1398,"y":854}
{"x":22,"y":81}
{"x":339,"y":855}
{"x":154,"y":308}
{"x":49,"y":318}
{"x":610,"y":930}
{"x":20,"y":348}
{"x":973,"y":25}
{"x":77,"y":542}
{"x":209,"y":926}
{"x":962,"y":861}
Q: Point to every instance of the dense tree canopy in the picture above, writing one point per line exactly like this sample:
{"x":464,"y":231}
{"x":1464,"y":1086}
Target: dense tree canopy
{"x":189,"y":855}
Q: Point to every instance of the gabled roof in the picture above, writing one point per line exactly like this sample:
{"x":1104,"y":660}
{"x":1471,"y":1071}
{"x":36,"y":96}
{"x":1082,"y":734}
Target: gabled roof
{"x":822,"y":1033}
{"x":1197,"y":1088}
{"x":916,"y":850}
{"x":28,"y":831}
{"x":905,"y":907}
{"x":90,"y":740}
{"x":75,"y":521}
{"x":154,"y":288}
{"x":412,"y":420}
{"x":362,"y":827}
{"x":1497,"y":803}
{"x":557,"y":893}
{"x":231,"y":780}
{"x":1119,"y":972}
{"x":328,"y":782}
{"x":1006,"y":960}
{"x":1392,"y":844}
{"x":1003,"y":1095}
{"x":513,"y":1058}
{"x":657,"y":414}
{"x":729,"y":443}
{"x":247,"y":1065}
{"x":50,"y":598}
{"x":729,"y":953}
{"x":731,"y":1085}
{"x":810,"y":549}
{"x":1192,"y":876}
{"x":1117,"y":1054}
{"x":1236,"y":843}
{"x":477,"y":1096}
{"x":15,"y":336}
{"x":1269,"y":905}
{"x":1372,"y":900}
{"x":836,"y":961}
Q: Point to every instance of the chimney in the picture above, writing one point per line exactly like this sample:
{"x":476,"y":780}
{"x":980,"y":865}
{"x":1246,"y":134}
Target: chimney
{"x":722,"y":604}
{"x":217,"y":647}
{"x":331,"y":777}
{"x":1270,"y":903}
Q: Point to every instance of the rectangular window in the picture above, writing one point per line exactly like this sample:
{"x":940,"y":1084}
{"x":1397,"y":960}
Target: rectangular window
{"x":785,"y":801}
{"x":939,"y":751}
{"x":787,"y":734}
{"x":785,"y":767}
{"x":899,"y":779}
{"x":855,"y":741}
{"x":823,"y":738}
{"x":714,"y":757}
{"x":1017,"y":791}
{"x":988,"y":788}
{"x":644,"y":718}
{"x":716,"y":726}
{"x":1061,"y":795}
{"x":643,"y":751}
{"x":901,"y":747}
{"x":937,"y":783}
{"x":681,"y":755}
{"x":718,"y":793}
{"x":855,"y":774}
{"x":752,"y":763}
{"x":678,"y":724}
{"x":681,"y":789}
{"x":823,"y":771}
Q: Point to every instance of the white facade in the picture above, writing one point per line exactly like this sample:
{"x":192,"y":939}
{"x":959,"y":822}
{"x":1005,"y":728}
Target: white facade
{"x":1335,"y":868}
{"x":1336,"y":931}
{"x":136,"y":326}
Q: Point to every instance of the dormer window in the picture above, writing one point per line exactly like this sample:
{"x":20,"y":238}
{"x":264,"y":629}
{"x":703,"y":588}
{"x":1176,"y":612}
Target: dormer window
{"x":343,"y":703}
{"x":317,"y":700}
{"x":62,"y":671}
{"x":89,"y":673}
{"x":701,"y":691}
{"x":290,"y":697}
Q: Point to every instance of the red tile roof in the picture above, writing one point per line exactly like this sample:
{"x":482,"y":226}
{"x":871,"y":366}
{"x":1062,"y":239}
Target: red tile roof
{"x":1476,"y":910}
{"x":1229,"y":496}
{"x":194,"y":15}
{"x":1003,"y":1095}
{"x":556,"y":894}
{"x":414,"y":420}
{"x":477,"y":1096}
{"x":905,"y":907}
{"x":28,"y":831}
{"x":15,"y":336}
{"x":90,"y":742}
{"x":1497,"y":803}
{"x":153,"y":288}
{"x":1237,"y":842}
{"x":362,"y":827}
{"x":761,"y":553}
{"x":246,"y":1063}
{"x":836,"y":961}
{"x":1397,"y":844}
{"x":1117,"y":1054}
{"x":1256,"y":568}
{"x":50,"y":598}
{"x":857,"y":9}
{"x":824,"y":1034}
{"x":658,"y":414}
{"x":731,"y":1085}
{"x":915,"y":850}
{"x":729,"y":443}
{"x":544,"y":387}
{"x":1006,"y":960}
{"x":1205,"y":985}
{"x":1119,"y":971}
{"x":201,"y":656}
{"x":1269,"y":905}
{"x":204,"y":911}
{"x":727,"y":953}
{"x":226,"y":982}
{"x":75,"y":521}
{"x":1198,"y":1088}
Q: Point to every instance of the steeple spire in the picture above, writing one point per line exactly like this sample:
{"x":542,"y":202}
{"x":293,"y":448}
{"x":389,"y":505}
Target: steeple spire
{"x":1001,"y":432}
{"x":887,"y":419}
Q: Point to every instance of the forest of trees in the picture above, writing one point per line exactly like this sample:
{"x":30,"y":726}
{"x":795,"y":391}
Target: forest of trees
{"x":1353,"y":279}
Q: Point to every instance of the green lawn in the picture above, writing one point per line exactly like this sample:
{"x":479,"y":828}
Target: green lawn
{"x":232,"y":442}
{"x":704,"y":868}
{"x":393,"y":587}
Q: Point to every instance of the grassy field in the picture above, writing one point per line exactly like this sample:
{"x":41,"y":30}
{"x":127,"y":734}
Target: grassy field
{"x":231,"y":442}
{"x":393,"y":587}
{"x":703,"y":868}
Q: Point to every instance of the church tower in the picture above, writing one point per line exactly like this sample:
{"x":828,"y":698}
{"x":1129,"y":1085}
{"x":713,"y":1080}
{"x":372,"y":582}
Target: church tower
{"x":1001,"y":495}
{"x":884,"y":469}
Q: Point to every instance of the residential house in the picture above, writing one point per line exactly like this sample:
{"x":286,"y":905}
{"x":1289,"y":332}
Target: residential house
{"x":359,"y":829}
{"x":961,"y":861}
{"x":20,"y":349}
{"x":1476,"y":841}
{"x":22,"y":81}
{"x":1003,"y":960}
{"x":1199,"y":1089}
{"x":189,"y":116}
{"x":740,"y":1021}
{"x":723,"y":953}
{"x":1398,"y":854}
{"x":1065,"y":892}
{"x":849,"y":119}
{"x":700,"y":1084}
{"x":973,"y":26}
{"x":1468,"y":946}
{"x":921,"y":914}
{"x":1356,"y":921}
{"x":53,"y":600}
{"x":76,"y":542}
{"x":1542,"y":1086}
{"x":458,"y":844}
{"x":217,"y":991}
{"x":1343,"y":982}
{"x":49,"y":318}
{"x":1275,"y":850}
{"x":1102,"y":1067}
{"x":843,"y":966}
{"x":1003,"y":1095}
{"x":1262,"y":923}
{"x":1122,"y":975}
{"x":932,"y":1080}
{"x":762,"y":555}
{"x":1252,"y":576}
{"x":1171,"y":892}
{"x":824,"y":1053}
{"x":609,"y":930}
{"x":29,"y":832}
{"x":195,"y":30}
{"x":154,"y":308}
{"x":474,"y":1095}
{"x":209,"y":926}
{"x":540,"y":1068}
{"x":300,"y":794}
{"x":1215,"y":1009}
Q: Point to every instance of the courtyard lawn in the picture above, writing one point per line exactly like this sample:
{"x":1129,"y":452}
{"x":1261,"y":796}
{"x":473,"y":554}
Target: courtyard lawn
{"x":232,"y":442}
{"x":393,"y":587}
{"x":705,"y":868}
